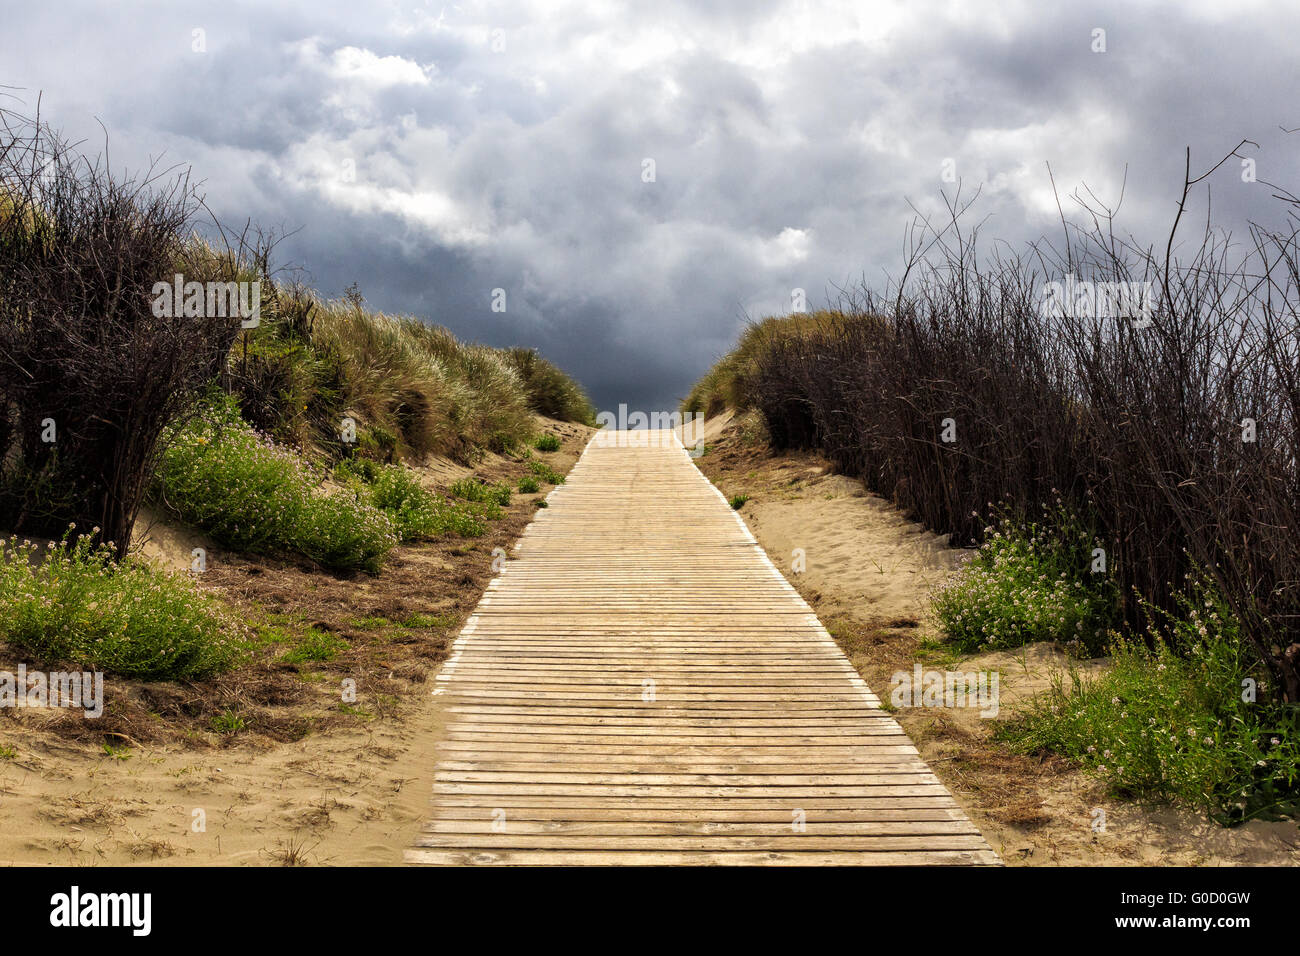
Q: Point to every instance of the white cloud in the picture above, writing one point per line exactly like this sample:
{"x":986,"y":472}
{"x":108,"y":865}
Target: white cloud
{"x":353,"y":64}
{"x":787,"y":248}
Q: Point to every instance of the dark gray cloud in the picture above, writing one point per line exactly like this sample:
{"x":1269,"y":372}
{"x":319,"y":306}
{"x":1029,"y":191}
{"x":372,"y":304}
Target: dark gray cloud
{"x":433,"y":153}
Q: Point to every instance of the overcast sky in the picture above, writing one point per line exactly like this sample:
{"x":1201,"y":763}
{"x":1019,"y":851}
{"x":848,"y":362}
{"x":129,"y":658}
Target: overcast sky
{"x":435,"y":152}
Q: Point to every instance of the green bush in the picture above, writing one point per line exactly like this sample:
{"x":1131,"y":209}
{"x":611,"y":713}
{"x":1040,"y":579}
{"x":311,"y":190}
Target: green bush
{"x":1027,"y":583}
{"x":417,"y":513}
{"x":363,"y":470}
{"x":421,"y":514}
{"x":253,"y":495}
{"x":546,"y":473}
{"x":470,"y":489}
{"x":72,"y":603}
{"x":528,"y":485}
{"x":1171,"y":724}
{"x":547,"y":443}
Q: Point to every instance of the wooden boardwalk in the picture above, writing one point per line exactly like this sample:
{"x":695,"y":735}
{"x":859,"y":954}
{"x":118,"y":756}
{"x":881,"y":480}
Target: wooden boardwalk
{"x":640,"y":685}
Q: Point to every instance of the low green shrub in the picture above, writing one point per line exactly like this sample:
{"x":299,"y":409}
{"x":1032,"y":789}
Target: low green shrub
{"x":1027,"y":583}
{"x":1179,"y":723}
{"x":228,"y":722}
{"x":528,"y":485}
{"x":547,"y":443}
{"x":738,"y":501}
{"x":250,"y":494}
{"x":545,"y":472}
{"x":469,"y":489}
{"x":417,"y":513}
{"x":71,"y":602}
{"x":363,"y":470}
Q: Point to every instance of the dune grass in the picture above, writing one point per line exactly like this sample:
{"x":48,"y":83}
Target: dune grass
{"x":409,"y":389}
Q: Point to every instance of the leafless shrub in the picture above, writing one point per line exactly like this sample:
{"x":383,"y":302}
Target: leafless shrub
{"x":1177,"y":439}
{"x":89,"y":375}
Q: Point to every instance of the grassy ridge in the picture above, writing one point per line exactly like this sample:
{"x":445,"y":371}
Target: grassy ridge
{"x":409,"y":388}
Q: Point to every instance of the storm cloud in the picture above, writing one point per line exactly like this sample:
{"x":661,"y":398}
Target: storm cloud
{"x":432,"y":153}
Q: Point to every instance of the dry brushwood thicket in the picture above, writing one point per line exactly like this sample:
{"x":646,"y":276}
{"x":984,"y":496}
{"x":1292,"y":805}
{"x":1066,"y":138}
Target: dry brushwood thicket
{"x":1175,"y":438}
{"x":89,"y":375}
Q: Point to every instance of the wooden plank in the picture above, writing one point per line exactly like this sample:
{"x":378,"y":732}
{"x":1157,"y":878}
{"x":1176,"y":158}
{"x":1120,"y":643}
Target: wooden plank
{"x":705,"y":808}
{"x":756,"y":744}
{"x":482,"y":857}
{"x":719,"y":816}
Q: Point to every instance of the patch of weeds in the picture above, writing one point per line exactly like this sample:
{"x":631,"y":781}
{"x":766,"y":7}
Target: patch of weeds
{"x":528,"y":485}
{"x":738,"y":501}
{"x":7,"y":752}
{"x":275,"y":634}
{"x":372,"y":623}
{"x":353,"y":711}
{"x":117,"y":752}
{"x":1030,"y":582}
{"x":470,"y":489}
{"x":228,"y":722}
{"x":545,"y":472}
{"x":429,"y":620}
{"x":216,"y":473}
{"x":291,"y":853}
{"x":938,"y":653}
{"x":420,"y":514}
{"x":73,"y":602}
{"x":547,"y":443}
{"x":316,"y":646}
{"x":1169,"y":723}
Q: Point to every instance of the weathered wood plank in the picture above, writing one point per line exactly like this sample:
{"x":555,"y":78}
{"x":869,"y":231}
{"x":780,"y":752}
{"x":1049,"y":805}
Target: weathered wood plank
{"x":641,"y":686}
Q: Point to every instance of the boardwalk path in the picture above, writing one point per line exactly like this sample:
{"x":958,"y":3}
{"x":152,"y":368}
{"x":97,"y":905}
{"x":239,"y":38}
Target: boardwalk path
{"x":641,"y":685}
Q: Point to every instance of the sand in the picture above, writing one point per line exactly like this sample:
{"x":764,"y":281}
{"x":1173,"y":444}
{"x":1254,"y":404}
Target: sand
{"x":346,"y":798}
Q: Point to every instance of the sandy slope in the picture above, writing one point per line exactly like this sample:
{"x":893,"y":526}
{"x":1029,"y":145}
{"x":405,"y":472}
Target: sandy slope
{"x":868,"y":571}
{"x":354,"y":792}
{"x":349,"y":797}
